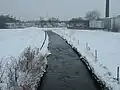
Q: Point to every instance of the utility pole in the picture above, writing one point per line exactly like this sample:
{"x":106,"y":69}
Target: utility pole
{"x":107,"y":8}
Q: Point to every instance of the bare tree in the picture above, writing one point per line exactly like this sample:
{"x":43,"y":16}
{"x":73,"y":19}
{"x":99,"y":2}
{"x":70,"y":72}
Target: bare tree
{"x":53,"y":21}
{"x":92,"y":15}
{"x":76,"y":19}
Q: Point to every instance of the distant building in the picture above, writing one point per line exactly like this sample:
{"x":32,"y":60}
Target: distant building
{"x":108,"y":24}
{"x":11,"y":25}
{"x":96,"y":24}
{"x":20,"y":25}
{"x":115,"y":24}
{"x":78,"y":24}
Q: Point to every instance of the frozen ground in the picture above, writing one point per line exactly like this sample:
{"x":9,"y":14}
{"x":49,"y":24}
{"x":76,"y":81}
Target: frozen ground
{"x":107,"y":45}
{"x":14,"y":44}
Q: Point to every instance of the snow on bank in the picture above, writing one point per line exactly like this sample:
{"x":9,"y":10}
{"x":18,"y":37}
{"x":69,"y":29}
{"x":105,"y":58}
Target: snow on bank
{"x":108,"y":54}
{"x":17,"y":47}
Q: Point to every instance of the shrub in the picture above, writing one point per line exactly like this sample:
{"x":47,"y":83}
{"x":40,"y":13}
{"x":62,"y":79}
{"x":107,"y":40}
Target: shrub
{"x":24,"y":73}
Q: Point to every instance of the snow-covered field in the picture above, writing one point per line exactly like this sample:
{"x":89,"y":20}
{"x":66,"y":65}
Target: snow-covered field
{"x":107,"y":45}
{"x":15,"y":46}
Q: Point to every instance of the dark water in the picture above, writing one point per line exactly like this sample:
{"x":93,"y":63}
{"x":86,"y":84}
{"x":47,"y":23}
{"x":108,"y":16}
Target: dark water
{"x":65,"y":70}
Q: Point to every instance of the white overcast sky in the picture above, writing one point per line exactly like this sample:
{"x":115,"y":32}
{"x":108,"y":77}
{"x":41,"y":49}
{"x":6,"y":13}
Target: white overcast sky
{"x":63,"y":9}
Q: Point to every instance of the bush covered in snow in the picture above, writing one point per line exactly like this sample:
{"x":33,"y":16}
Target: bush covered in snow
{"x":23,"y":73}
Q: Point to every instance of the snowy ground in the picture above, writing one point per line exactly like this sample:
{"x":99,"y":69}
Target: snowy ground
{"x":108,"y":51}
{"x":14,"y":45}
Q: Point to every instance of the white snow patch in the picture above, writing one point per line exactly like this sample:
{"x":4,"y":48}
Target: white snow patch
{"x":13,"y":44}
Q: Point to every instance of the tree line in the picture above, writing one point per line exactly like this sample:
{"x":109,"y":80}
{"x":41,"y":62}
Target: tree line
{"x":11,"y":19}
{"x":7,"y":19}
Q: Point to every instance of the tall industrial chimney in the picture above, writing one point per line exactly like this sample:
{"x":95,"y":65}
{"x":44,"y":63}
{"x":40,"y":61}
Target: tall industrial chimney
{"x":107,"y":9}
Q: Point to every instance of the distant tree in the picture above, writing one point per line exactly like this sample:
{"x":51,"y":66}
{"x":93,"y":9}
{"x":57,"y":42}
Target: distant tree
{"x":7,"y":19}
{"x":92,"y":15}
{"x":3,"y":24}
{"x":77,"y":19}
{"x":80,"y":18}
{"x":53,"y":21}
{"x":10,"y":19}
